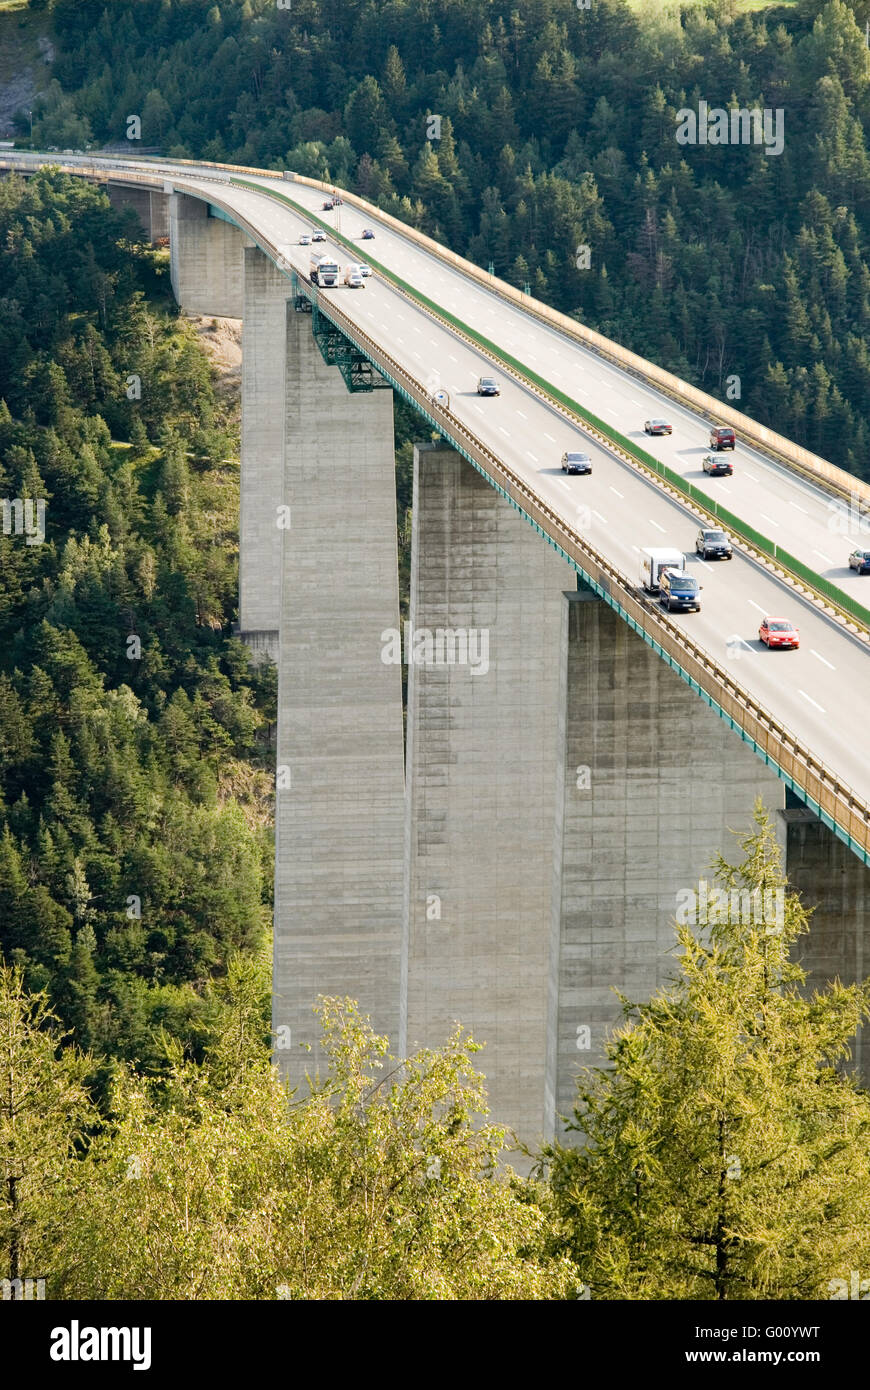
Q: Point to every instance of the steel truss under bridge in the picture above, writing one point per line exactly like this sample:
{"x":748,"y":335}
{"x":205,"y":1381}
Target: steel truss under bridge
{"x":338,"y":351}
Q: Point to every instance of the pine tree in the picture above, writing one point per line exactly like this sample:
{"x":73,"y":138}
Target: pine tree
{"x":725,"y":1154}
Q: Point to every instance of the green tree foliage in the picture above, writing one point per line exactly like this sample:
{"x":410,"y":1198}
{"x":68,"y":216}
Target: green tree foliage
{"x":45,"y":1113}
{"x":134,"y":848}
{"x":379,"y":1183}
{"x":558,"y":130}
{"x":725,"y":1152}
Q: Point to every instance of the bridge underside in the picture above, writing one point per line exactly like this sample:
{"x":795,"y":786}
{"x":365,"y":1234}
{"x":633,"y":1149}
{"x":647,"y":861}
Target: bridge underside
{"x":515,"y":857}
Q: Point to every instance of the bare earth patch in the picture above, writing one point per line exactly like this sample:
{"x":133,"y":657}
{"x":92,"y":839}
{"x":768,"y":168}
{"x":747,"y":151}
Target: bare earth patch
{"x":222,"y":340}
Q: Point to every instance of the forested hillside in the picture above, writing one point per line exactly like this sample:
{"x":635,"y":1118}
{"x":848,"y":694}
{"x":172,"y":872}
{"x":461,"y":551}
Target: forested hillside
{"x":134,"y":807}
{"x":557,"y":131}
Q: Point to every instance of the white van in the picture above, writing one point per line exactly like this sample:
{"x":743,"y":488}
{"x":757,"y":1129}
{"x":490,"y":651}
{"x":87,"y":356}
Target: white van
{"x":353,"y":278}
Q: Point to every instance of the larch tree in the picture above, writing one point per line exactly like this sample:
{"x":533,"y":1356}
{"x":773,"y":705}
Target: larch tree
{"x":725,"y":1152}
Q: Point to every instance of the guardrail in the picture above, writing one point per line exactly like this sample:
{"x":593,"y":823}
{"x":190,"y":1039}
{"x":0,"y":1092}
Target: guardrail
{"x":803,"y":461}
{"x":787,"y":565}
{"x":800,"y":460}
{"x":835,"y":801}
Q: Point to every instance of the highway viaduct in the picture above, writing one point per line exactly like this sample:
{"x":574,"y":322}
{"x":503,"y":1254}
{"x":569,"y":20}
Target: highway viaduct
{"x":513,"y":855}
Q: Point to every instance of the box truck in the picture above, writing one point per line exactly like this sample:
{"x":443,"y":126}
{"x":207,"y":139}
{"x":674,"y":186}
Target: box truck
{"x":655,"y":559}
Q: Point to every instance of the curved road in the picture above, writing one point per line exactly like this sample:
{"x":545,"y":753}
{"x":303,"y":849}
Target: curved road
{"x":817,"y":691}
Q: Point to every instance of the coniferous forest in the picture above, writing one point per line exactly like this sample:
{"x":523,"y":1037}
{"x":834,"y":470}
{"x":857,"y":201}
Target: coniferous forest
{"x":557,"y":131}
{"x":147,"y":1149}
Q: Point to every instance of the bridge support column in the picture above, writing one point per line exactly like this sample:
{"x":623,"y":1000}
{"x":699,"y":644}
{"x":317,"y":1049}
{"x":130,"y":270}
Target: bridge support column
{"x":340,"y":785}
{"x":205,"y":259}
{"x":264,"y":366}
{"x":833,"y":881}
{"x":150,"y":205}
{"x":652,"y":782}
{"x":481,"y":828}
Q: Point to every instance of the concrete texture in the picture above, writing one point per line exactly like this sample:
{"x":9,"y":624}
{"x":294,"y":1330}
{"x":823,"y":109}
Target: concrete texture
{"x":205,"y":259}
{"x":834,"y":882}
{"x":150,"y":206}
{"x":481,"y":807}
{"x":339,"y":824}
{"x":653,"y":784}
{"x":264,"y":342}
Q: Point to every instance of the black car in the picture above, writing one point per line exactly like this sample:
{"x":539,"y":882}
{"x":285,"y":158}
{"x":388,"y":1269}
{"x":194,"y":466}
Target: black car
{"x":487,"y":386}
{"x":576,"y":463}
{"x":860,"y":560}
{"x":679,"y":590}
{"x":368,"y":234}
{"x":716,"y":466}
{"x":712,"y":544}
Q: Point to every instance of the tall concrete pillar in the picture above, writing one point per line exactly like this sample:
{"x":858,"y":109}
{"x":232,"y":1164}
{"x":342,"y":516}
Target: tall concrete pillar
{"x":653,"y":782}
{"x":481,"y":827}
{"x":150,"y":205}
{"x":340,"y":787}
{"x":264,"y":345}
{"x":836,"y":885}
{"x":205,"y":259}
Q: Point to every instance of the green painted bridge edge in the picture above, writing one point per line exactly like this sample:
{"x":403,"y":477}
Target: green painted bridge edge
{"x":808,"y":576}
{"x":603,"y":592}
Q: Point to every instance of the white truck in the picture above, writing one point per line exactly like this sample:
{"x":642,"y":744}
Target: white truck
{"x":324,"y":271}
{"x":655,"y":559}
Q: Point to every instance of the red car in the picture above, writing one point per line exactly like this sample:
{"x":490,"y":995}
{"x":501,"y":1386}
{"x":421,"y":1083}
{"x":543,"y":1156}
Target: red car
{"x":779,"y":632}
{"x":722,"y":437}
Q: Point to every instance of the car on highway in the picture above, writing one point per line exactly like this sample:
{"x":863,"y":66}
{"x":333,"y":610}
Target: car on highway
{"x":353,"y":279}
{"x":860,"y":560}
{"x":576,"y":463}
{"x":657,"y":427}
{"x":779,"y":632}
{"x":368,"y":234}
{"x":712,"y":544}
{"x":364,"y":270}
{"x":327,"y":206}
{"x":679,"y":590}
{"x":722,"y":437}
{"x":716,"y":467}
{"x":305,"y":239}
{"x":487,"y":386}
{"x":318,"y":236}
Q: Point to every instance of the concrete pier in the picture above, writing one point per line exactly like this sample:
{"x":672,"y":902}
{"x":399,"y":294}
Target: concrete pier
{"x":149,"y":204}
{"x":339,"y":803}
{"x":481,"y":826}
{"x":264,"y":348}
{"x":653,"y":784}
{"x":205,"y":259}
{"x":836,"y":885}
